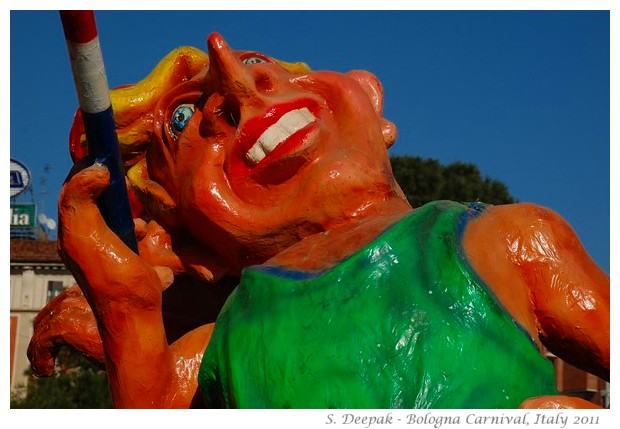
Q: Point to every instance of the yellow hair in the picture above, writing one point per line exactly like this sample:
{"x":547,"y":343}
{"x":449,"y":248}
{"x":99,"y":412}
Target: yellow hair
{"x":295,"y":68}
{"x":134,"y":105}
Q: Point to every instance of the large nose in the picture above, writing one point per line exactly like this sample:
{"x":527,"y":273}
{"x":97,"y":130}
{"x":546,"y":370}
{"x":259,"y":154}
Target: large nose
{"x":227,"y":74}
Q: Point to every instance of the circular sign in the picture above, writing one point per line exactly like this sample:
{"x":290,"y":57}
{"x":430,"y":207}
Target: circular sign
{"x":20,"y":178}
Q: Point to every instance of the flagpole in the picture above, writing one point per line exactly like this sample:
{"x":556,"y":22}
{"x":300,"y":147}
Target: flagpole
{"x":91,"y":84}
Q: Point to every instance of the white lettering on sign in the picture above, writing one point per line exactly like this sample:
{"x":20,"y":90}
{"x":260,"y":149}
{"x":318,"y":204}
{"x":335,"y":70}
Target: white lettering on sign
{"x":19,"y":218}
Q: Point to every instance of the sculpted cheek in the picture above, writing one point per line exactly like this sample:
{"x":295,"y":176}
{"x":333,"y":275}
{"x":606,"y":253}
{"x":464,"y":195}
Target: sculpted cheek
{"x":207,"y":198}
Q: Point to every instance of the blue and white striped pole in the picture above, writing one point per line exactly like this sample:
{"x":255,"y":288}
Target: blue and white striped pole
{"x":94,"y":98}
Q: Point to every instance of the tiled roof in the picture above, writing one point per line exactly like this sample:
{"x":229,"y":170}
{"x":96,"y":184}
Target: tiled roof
{"x":23,"y":250}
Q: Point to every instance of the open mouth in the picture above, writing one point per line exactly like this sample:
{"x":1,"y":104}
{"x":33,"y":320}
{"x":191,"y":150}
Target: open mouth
{"x":286,"y":127}
{"x":273,"y":137}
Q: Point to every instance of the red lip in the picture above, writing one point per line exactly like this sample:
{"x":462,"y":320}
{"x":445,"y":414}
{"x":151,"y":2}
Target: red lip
{"x":254,"y":127}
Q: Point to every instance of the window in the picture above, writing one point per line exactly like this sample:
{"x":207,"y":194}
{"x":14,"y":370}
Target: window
{"x":54,"y":288}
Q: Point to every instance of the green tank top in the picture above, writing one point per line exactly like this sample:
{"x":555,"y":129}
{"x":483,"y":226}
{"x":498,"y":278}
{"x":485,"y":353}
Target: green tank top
{"x":403,"y":323}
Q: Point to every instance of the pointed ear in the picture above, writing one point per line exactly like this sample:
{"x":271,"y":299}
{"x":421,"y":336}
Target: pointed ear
{"x":389,"y":132}
{"x":155,"y":199}
{"x":372,"y":87}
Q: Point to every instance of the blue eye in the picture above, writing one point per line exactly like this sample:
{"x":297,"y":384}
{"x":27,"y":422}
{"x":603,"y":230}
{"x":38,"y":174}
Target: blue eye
{"x":253,"y":60}
{"x":181,"y":117}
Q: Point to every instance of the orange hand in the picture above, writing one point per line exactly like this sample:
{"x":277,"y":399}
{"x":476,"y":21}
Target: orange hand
{"x":69,"y":320}
{"x":123,"y":290}
{"x":155,"y":245}
{"x":98,"y":258}
{"x":66,"y":320}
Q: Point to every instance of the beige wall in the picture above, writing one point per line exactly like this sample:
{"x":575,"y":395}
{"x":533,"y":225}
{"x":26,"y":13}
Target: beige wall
{"x":28,"y":296}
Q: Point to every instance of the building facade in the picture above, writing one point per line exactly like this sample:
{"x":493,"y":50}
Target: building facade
{"x":573,"y":381}
{"x":37,"y":275}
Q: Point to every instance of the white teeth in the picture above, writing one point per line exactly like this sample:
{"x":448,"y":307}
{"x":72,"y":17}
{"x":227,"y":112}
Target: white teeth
{"x":287,"y":125}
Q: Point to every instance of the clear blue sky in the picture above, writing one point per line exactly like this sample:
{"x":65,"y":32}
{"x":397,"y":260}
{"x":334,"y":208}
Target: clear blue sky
{"x":525,"y":95}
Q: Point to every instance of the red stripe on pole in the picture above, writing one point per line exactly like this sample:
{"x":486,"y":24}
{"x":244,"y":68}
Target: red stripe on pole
{"x":79,"y":25}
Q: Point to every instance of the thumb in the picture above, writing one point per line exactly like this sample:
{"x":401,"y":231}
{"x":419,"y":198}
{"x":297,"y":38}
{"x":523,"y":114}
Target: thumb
{"x":85,"y":184}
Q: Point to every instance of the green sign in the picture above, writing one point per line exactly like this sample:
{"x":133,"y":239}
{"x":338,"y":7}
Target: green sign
{"x":23,"y":215}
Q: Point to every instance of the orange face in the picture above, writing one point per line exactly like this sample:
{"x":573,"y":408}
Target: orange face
{"x":262,"y":157}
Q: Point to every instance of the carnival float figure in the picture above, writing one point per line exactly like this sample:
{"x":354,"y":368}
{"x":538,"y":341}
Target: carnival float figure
{"x":280,"y":265}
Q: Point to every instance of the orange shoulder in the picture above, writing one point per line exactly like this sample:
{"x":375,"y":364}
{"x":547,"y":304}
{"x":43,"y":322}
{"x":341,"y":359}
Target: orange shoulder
{"x":535,"y":264}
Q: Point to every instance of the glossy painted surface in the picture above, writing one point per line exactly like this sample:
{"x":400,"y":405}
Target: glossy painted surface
{"x":546,"y":280}
{"x":241,"y":160}
{"x":402,"y":323}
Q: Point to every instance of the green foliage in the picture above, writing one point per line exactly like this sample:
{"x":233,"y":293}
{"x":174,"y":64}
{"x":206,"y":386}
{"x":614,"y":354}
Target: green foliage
{"x":424,"y":180}
{"x":78,"y":383}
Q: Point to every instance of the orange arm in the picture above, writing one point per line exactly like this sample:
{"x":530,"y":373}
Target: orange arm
{"x":125,"y":293}
{"x":540,"y":272}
